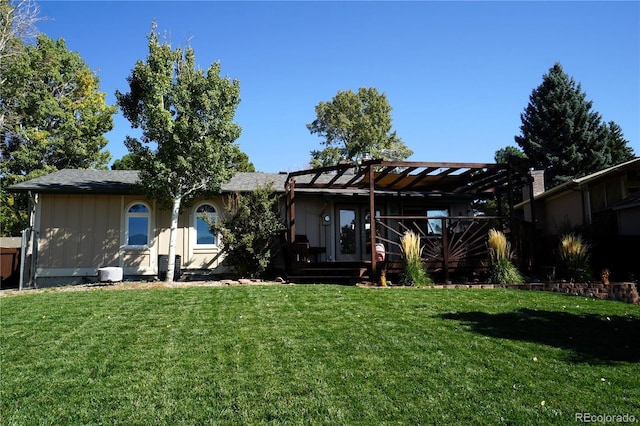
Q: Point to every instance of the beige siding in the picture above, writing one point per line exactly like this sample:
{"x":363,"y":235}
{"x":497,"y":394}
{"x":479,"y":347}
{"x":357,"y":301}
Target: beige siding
{"x":78,"y":231}
{"x":200,"y":257}
{"x":137,"y":261}
{"x":563,"y":211}
{"x":308,"y":220}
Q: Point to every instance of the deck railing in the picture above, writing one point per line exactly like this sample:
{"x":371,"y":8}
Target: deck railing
{"x":450,"y":243}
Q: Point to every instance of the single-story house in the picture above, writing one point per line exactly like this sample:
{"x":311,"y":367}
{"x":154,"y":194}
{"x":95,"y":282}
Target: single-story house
{"x":604,"y":207}
{"x":83,"y":220}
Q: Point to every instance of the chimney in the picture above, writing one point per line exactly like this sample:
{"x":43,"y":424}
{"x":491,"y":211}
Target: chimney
{"x":538,"y":181}
{"x":537,"y":187}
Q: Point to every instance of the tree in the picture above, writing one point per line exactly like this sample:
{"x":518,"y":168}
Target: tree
{"x":18,"y":21}
{"x":617,"y":146}
{"x":186,"y":148}
{"x":248,"y":230}
{"x":17,"y":25}
{"x":561,"y":133}
{"x":509,"y":154}
{"x":128,"y":161}
{"x":131,"y":161}
{"x":355,"y":125}
{"x":241,"y":161}
{"x":59,"y":117}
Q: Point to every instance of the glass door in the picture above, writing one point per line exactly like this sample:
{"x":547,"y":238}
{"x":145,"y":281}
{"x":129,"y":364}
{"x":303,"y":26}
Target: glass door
{"x":347,"y":233}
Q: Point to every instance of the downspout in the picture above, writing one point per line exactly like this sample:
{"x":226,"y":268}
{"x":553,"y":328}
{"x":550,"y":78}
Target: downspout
{"x":28,"y":246}
{"x":510,"y":199}
{"x":586,"y":207}
{"x":532,"y":211}
{"x":23,"y":248}
{"x":291,"y":210}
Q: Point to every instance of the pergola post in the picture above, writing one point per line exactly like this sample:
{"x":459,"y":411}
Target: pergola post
{"x":445,"y":249}
{"x":372,"y":221}
{"x":291,"y":209}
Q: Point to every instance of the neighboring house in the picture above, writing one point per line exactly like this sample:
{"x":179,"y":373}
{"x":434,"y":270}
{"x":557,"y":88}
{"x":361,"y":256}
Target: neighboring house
{"x":603,"y":206}
{"x":83,"y":220}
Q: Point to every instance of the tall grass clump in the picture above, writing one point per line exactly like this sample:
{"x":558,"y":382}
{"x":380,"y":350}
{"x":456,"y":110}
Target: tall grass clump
{"x":502,"y":270}
{"x":574,"y":258}
{"x":414,"y":273}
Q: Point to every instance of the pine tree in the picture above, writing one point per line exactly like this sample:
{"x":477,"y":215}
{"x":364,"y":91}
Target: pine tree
{"x":561,"y":133}
{"x":617,"y":146}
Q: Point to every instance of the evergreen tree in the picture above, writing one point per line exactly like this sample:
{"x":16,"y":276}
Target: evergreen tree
{"x":509,"y":154}
{"x":617,"y":146}
{"x":560,"y":133}
{"x":186,"y":117}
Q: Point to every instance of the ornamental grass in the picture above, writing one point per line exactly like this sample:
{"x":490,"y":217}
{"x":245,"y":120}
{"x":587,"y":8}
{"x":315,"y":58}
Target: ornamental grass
{"x":502,"y":270}
{"x":574,"y":257}
{"x":414,"y":273}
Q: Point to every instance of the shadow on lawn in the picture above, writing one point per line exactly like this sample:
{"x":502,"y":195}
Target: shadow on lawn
{"x":589,"y":337}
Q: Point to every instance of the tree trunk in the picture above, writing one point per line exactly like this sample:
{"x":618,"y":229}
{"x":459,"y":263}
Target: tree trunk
{"x":173,"y":234}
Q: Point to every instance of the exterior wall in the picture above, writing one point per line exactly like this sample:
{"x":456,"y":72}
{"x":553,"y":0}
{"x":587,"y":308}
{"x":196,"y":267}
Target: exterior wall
{"x":563,"y":210}
{"x":309,"y":221}
{"x":629,"y":221}
{"x":192,"y":256}
{"x":77,"y":234}
{"x":310,"y":212}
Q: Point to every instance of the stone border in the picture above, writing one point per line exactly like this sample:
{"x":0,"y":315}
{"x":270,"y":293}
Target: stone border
{"x":625,"y":292}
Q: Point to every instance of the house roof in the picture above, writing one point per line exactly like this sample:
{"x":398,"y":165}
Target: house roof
{"x":477,"y":179}
{"x":124,"y":182}
{"x":585,"y":180}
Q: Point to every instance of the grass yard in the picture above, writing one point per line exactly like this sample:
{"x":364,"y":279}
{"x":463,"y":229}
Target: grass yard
{"x":315,"y":354}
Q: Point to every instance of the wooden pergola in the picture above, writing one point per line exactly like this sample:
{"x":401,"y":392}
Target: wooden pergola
{"x":428,"y":179}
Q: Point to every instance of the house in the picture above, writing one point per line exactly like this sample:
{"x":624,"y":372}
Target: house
{"x":603,"y":206}
{"x":83,"y":220}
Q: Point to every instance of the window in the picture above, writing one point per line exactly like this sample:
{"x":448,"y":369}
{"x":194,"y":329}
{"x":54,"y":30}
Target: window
{"x":434,"y":221}
{"x":204,"y":214}
{"x":137,"y":221}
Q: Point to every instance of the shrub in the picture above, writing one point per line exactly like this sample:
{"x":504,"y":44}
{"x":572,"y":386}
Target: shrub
{"x":414,"y":273}
{"x":574,"y":257}
{"x":502,"y":270}
{"x":248,"y":231}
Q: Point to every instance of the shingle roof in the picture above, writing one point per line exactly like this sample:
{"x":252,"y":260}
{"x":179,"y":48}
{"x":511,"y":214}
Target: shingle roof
{"x":123,"y":182}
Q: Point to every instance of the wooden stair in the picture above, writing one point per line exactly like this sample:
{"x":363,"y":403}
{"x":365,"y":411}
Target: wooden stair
{"x":329,"y":272}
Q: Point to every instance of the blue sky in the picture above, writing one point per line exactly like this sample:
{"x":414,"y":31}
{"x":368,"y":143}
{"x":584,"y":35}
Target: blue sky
{"x":457,"y":74}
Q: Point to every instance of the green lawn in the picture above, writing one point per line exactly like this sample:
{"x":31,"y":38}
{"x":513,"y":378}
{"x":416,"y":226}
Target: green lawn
{"x":315,"y":354}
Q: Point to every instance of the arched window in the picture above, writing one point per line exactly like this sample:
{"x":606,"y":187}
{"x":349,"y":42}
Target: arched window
{"x":204,"y":214}
{"x":137,"y":222}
